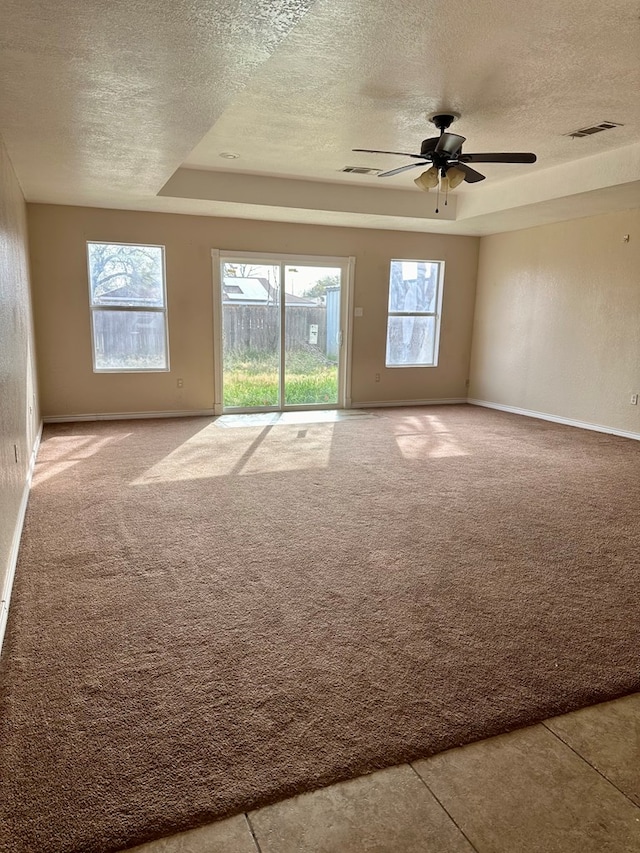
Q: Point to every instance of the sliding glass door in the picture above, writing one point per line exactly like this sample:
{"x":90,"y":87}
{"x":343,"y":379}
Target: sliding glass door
{"x":312,"y":335}
{"x":282,"y":332}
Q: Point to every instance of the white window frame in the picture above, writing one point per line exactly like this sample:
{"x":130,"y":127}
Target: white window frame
{"x":129,"y":308}
{"x":437,"y":313}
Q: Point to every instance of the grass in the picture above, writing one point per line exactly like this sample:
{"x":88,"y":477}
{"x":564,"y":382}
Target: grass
{"x":125,"y":361}
{"x":251,"y":378}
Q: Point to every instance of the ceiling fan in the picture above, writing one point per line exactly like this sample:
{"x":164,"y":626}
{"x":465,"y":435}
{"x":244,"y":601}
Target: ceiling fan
{"x":449,"y":165}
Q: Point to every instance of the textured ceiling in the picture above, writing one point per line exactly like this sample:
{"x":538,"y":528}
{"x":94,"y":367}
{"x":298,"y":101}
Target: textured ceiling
{"x":130,"y":104}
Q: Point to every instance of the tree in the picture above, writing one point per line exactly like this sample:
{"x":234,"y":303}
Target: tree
{"x":114,"y":266}
{"x":242,"y":271}
{"x":321,"y":286}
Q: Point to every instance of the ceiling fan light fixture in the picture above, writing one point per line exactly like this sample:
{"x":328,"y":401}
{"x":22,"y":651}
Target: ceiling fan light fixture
{"x":455,"y":177}
{"x":428,"y":179}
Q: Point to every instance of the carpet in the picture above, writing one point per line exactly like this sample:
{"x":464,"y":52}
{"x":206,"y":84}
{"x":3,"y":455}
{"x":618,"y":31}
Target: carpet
{"x":206,"y":619}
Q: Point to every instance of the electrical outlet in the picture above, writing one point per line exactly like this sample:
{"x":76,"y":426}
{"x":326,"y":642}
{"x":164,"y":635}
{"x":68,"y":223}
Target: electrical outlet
{"x":634,"y":399}
{"x":377,"y":377}
{"x":180,"y":383}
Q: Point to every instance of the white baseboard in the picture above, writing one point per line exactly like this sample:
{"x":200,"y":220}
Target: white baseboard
{"x":127,"y":416}
{"x":124,"y":416}
{"x":15,"y":544}
{"x":544,"y":416}
{"x":358,"y":404}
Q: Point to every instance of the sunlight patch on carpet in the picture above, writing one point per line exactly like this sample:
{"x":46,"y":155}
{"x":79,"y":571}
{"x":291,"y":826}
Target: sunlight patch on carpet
{"x":254,"y":450}
{"x":60,"y":453}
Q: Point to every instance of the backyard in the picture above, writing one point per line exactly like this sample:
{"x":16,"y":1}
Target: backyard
{"x":251,"y":378}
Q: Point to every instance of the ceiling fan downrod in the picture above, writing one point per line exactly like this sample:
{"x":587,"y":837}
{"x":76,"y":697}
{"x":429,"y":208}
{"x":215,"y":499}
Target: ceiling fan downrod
{"x":443,"y":121}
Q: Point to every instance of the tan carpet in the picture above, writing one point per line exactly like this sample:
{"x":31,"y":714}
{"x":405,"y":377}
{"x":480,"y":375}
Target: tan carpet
{"x":206,"y":619}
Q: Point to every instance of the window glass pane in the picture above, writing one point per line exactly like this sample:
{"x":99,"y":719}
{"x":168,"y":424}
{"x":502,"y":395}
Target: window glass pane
{"x":410,"y":340}
{"x":129,"y":340}
{"x":250,"y":335}
{"x":413,"y":286}
{"x":126,"y":275}
{"x":312,"y":330}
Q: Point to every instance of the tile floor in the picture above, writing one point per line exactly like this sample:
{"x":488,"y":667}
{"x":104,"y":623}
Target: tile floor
{"x":569,"y":785}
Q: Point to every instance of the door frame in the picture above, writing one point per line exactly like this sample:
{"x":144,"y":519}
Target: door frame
{"x":347,"y":267}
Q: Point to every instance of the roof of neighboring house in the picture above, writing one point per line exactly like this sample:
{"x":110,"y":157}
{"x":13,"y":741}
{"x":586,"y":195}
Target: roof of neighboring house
{"x":245,"y":290}
{"x":257,"y":291}
{"x":128,"y":294}
{"x":292,"y":299}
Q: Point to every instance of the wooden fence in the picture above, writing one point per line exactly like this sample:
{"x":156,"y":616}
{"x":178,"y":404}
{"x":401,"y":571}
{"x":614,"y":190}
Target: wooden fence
{"x":133,"y":336}
{"x":257,"y":327}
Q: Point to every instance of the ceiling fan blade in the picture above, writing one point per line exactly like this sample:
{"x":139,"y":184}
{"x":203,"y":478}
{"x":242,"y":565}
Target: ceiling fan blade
{"x":400,"y":169}
{"x":376,"y":151}
{"x":470,"y":175}
{"x":449,"y":143}
{"x":498,"y":158}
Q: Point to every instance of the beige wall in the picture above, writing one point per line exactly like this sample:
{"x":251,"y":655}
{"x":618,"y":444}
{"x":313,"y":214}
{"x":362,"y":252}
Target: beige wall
{"x":68,"y":385}
{"x":557,"y":322}
{"x":18,"y":406}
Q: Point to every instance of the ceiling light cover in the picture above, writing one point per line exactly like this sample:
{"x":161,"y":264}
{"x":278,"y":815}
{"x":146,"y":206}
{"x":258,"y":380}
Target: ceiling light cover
{"x":456,"y":177}
{"x":428,"y":179}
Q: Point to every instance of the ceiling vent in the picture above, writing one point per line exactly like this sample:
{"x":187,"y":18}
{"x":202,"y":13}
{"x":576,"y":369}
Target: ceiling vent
{"x":360,"y":170}
{"x":596,"y":128}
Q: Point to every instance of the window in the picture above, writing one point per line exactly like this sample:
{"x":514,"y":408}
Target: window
{"x":128,"y":307}
{"x":413,"y":322}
